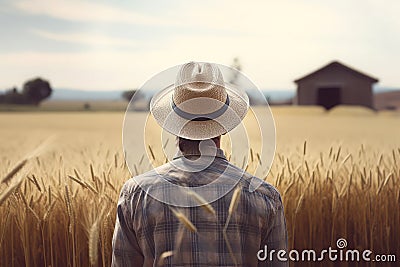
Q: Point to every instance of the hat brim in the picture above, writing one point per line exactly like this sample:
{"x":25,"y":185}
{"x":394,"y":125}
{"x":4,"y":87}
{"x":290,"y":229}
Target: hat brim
{"x":162,"y":110}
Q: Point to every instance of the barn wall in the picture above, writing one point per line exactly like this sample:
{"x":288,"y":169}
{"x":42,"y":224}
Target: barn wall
{"x":307,"y":93}
{"x":355,"y":89}
{"x":357,"y":92}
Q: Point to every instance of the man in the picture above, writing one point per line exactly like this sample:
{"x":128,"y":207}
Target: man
{"x":198,"y":209}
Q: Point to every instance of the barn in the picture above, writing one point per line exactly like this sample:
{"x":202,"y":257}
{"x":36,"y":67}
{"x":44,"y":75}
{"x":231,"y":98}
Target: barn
{"x":335,"y":84}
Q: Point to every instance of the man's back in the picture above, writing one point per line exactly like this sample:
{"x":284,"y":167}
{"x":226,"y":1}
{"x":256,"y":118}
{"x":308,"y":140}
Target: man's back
{"x":149,"y":232}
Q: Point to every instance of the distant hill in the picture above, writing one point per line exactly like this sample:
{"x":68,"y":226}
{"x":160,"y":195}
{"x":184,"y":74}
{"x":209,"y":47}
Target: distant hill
{"x":279,"y":95}
{"x":387,"y":100}
{"x":385,"y":89}
{"x":274,"y":95}
{"x":85,"y":95}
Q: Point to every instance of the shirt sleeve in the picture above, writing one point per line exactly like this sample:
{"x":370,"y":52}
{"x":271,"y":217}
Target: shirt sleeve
{"x":276,"y":238}
{"x":125,"y":248}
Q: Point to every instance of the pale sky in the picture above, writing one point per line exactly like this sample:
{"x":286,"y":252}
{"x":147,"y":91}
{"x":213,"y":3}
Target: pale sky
{"x":106,"y":45}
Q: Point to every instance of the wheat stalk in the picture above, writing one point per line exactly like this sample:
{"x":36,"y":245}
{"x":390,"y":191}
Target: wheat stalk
{"x":232,"y":207}
{"x":163,"y":256}
{"x":11,"y":188}
{"x":14,"y":171}
{"x":203,"y":203}
{"x":93,"y":243}
{"x":235,"y":200}
{"x":69,"y":209}
{"x":184,"y":220}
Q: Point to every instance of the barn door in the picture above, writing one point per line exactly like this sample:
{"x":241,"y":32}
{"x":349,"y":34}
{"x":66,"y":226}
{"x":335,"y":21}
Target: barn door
{"x":328,"y":97}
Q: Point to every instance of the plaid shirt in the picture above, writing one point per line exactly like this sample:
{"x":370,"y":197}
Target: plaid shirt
{"x":146,"y":228}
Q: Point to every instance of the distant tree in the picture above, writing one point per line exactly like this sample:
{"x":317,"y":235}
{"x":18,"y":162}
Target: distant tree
{"x":254,"y":98}
{"x":141,"y":102}
{"x":127,"y":95}
{"x":238,"y":66}
{"x":36,"y":90}
{"x":86,"y":106}
{"x":268,"y":98}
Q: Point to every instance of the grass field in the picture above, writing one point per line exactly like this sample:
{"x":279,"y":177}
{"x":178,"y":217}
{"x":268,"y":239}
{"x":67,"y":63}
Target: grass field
{"x":68,"y":105}
{"x":338,"y":173}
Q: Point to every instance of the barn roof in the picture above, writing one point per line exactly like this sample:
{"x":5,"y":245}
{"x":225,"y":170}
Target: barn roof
{"x":337,"y":63}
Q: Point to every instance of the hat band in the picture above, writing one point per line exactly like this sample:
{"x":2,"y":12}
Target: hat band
{"x":202,"y":117}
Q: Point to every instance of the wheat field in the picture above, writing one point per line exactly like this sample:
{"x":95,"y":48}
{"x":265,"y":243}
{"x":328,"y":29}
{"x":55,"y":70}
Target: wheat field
{"x":60,"y":176}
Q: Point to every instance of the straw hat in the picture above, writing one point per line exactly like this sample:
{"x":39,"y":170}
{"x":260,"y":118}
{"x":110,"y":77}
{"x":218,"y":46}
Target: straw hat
{"x":200,"y":105}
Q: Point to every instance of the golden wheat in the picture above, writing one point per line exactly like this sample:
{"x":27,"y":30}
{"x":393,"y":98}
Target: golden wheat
{"x":335,"y":184}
